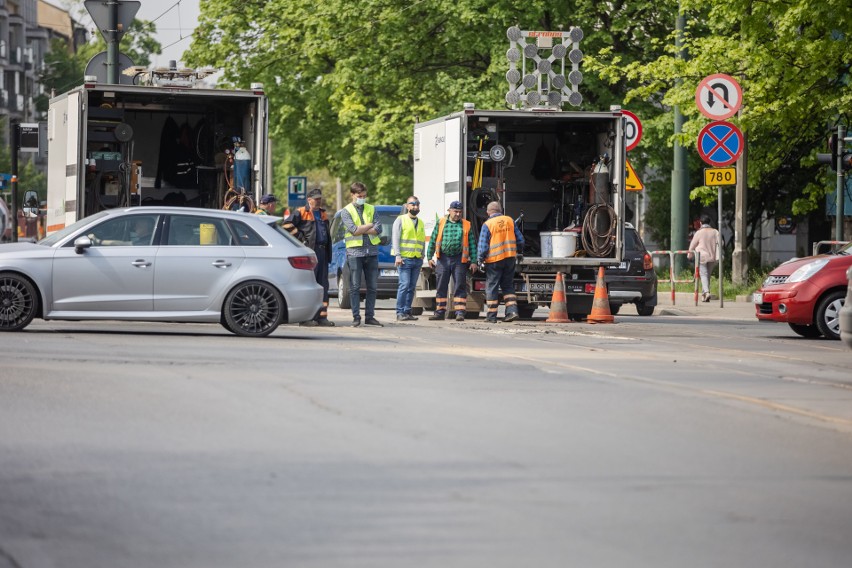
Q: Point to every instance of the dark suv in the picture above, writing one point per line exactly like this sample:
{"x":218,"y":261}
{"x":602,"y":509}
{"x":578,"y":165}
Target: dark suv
{"x":338,"y":272}
{"x":634,"y":280}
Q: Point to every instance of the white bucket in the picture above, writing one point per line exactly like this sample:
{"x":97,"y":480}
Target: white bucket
{"x":558,"y":244}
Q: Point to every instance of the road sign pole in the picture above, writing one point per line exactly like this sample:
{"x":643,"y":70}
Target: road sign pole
{"x":112,"y":43}
{"x":841,"y":179}
{"x":16,"y":142}
{"x":739,"y":260}
{"x":720,"y":250}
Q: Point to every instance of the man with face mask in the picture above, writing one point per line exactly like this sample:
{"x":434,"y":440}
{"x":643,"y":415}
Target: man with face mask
{"x":408,"y":241}
{"x":453,"y":246}
{"x":361,"y":235}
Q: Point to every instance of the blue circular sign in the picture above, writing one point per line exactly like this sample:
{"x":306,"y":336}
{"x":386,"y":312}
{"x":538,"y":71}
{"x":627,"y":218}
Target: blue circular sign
{"x":720,"y":143}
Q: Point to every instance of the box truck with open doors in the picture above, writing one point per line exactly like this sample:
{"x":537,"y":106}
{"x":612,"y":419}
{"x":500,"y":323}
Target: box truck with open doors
{"x":116,"y":145}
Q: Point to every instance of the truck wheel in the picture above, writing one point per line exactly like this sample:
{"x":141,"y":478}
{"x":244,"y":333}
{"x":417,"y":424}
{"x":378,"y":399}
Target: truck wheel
{"x":253,"y":309}
{"x":613,"y":309}
{"x":471,"y":315}
{"x":828,"y":314}
{"x":809,"y":331}
{"x":343,"y":290}
{"x":526,"y":311}
{"x":417,"y":311}
{"x":18,"y":302}
{"x":644,"y":310}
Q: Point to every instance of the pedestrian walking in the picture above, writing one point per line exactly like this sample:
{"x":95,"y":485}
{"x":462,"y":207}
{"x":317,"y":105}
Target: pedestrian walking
{"x":311,"y":224}
{"x":267,"y":205}
{"x":408,"y":239}
{"x":499,"y":243}
{"x":361,"y":235}
{"x":451,"y":252}
{"x":705,"y":242}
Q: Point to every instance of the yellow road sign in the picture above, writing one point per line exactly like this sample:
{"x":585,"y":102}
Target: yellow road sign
{"x":720,"y":176}
{"x":632,"y":182}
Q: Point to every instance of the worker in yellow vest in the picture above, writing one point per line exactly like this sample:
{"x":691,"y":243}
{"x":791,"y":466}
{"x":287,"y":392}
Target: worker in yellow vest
{"x":361,"y":235}
{"x":500,"y":245}
{"x":453,"y":246}
{"x":408,"y":241}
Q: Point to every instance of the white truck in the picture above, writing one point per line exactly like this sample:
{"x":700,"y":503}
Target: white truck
{"x":114,"y":145}
{"x":561,"y":172}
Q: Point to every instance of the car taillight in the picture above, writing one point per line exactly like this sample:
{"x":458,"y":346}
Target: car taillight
{"x":303,"y":262}
{"x":647,"y":262}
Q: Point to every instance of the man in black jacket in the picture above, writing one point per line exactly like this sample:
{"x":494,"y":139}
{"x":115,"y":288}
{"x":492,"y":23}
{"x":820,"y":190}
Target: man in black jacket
{"x":311,"y":224}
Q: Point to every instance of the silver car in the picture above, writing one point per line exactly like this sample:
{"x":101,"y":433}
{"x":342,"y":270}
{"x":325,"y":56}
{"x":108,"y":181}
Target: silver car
{"x":169,"y":264}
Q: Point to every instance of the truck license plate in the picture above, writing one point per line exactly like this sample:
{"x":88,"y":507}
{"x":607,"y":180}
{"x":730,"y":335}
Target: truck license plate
{"x":537,"y":287}
{"x":389,"y":272}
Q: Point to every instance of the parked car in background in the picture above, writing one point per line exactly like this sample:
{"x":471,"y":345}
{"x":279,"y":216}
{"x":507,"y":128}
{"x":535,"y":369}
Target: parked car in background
{"x":338,"y":272}
{"x":807,"y":294}
{"x":169,"y":264}
{"x":634,"y":280}
{"x":846,"y":313}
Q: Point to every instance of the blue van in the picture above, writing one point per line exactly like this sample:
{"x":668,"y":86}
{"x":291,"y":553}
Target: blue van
{"x":338,"y":272}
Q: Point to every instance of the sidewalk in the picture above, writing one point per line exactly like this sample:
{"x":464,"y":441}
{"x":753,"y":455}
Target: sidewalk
{"x":685,"y":306}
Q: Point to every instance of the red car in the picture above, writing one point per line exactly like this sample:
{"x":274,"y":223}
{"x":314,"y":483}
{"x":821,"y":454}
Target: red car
{"x":807,"y":294}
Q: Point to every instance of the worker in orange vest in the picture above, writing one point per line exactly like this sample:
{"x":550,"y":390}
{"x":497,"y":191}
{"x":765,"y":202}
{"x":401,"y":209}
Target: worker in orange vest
{"x":501,"y":244}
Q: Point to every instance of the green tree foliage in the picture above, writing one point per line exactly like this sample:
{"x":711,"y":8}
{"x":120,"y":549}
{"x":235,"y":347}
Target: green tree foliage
{"x":347,"y":80}
{"x":792,"y":60}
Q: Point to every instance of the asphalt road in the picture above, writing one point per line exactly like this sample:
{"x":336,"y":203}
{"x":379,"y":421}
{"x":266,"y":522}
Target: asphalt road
{"x":694,"y":440}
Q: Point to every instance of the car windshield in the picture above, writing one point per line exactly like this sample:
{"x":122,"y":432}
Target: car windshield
{"x":70,"y":229}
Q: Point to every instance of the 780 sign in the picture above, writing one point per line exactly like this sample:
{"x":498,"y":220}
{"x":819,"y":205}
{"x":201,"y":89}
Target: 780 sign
{"x":720,"y":176}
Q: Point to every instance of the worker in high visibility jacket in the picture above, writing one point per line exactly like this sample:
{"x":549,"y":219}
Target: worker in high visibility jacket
{"x":408,"y":240}
{"x":453,"y":246}
{"x":500,"y":245}
{"x":311,"y":223}
{"x":361,"y":235}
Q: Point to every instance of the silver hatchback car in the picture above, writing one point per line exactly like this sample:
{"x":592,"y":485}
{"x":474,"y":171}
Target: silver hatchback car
{"x":169,"y":264}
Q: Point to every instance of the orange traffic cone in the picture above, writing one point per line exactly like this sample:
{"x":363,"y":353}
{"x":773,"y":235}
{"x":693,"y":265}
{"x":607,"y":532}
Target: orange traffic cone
{"x":600,"y":304}
{"x":558,"y":309}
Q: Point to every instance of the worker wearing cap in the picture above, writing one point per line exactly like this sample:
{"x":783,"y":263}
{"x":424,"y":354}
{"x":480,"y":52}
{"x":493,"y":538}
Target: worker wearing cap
{"x":499,"y":243}
{"x":267,"y":205}
{"x":311,"y":224}
{"x":408,"y":239}
{"x":451,"y":252}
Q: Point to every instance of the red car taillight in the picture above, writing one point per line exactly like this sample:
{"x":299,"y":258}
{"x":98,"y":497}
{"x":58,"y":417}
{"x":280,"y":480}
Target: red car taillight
{"x":303,"y":262}
{"x":647,"y":262}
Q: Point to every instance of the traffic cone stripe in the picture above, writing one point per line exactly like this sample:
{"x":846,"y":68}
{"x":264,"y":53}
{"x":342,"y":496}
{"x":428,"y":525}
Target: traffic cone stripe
{"x":558,"y":309}
{"x":600,"y":304}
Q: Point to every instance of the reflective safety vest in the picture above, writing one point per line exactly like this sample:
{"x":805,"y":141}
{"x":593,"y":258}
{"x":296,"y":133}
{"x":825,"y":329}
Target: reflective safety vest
{"x":503,"y":243}
{"x":412,"y":239}
{"x":465,"y":239}
{"x":353,"y":241}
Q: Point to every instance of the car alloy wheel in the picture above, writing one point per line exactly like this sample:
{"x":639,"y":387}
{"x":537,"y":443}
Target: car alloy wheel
{"x":253,"y":309}
{"x":828,"y":314}
{"x":18,"y":302}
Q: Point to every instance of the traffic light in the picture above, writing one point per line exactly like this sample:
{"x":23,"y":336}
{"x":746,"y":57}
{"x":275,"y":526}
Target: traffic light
{"x":837,"y":150}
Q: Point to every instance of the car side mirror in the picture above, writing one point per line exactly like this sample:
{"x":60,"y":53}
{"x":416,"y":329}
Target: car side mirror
{"x":81,"y":244}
